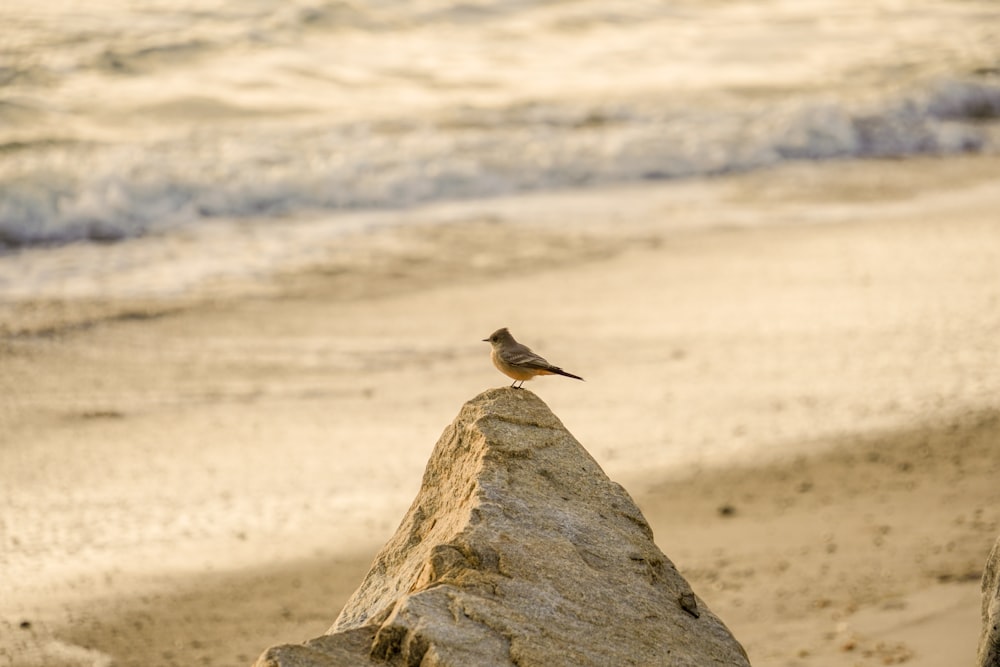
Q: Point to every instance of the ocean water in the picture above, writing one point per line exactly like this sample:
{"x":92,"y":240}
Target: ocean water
{"x":128,"y":119}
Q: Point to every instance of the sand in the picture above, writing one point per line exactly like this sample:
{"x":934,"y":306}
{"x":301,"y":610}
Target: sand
{"x":794,"y":372}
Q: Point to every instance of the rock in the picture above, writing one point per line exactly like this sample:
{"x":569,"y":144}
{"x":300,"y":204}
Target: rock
{"x":989,"y":642}
{"x":518,"y":550}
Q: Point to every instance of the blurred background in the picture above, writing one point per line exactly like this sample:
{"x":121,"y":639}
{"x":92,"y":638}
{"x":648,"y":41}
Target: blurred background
{"x":122,"y":119}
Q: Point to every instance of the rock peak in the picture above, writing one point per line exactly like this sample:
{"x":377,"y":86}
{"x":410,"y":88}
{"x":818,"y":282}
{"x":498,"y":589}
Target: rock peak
{"x":518,"y":550}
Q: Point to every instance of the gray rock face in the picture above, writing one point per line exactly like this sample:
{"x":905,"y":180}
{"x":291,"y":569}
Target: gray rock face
{"x":989,"y":642}
{"x":518,"y":550}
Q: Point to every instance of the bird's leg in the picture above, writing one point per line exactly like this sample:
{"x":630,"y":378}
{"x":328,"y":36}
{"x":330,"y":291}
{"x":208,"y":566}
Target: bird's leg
{"x":513,"y":384}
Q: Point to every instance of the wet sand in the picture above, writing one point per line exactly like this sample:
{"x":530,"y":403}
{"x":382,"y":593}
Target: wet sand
{"x":794,"y":372}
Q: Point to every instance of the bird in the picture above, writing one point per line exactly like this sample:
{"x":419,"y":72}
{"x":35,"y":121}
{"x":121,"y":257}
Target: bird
{"x":518,"y":361}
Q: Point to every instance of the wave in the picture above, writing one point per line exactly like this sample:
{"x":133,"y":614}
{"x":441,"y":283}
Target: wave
{"x":48,"y":46}
{"x":55,"y":192}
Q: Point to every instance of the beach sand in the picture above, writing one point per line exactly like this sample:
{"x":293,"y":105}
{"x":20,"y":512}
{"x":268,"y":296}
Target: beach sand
{"x":794,"y":372}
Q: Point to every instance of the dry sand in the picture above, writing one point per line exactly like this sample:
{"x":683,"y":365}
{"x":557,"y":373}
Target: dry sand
{"x":794,"y":372}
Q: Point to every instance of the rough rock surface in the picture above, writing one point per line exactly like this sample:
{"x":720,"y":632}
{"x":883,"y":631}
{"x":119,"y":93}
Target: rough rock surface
{"x":518,"y":550}
{"x":989,"y":642}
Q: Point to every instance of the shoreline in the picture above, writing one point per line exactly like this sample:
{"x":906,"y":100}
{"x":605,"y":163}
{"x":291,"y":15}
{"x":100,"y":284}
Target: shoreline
{"x":816,"y":324}
{"x":425,"y":246}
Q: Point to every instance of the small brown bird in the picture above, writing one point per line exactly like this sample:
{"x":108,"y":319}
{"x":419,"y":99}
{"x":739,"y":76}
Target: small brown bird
{"x":517,"y":361}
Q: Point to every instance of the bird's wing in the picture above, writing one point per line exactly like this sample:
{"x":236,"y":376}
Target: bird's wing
{"x":519,"y":355}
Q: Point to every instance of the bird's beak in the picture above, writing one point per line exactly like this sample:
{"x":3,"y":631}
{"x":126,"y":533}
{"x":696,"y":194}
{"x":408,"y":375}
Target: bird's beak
{"x":486,"y":340}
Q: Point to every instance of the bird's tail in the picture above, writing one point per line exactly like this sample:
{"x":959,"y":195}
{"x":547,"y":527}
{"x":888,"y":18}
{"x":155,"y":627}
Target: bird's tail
{"x":559,"y":371}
